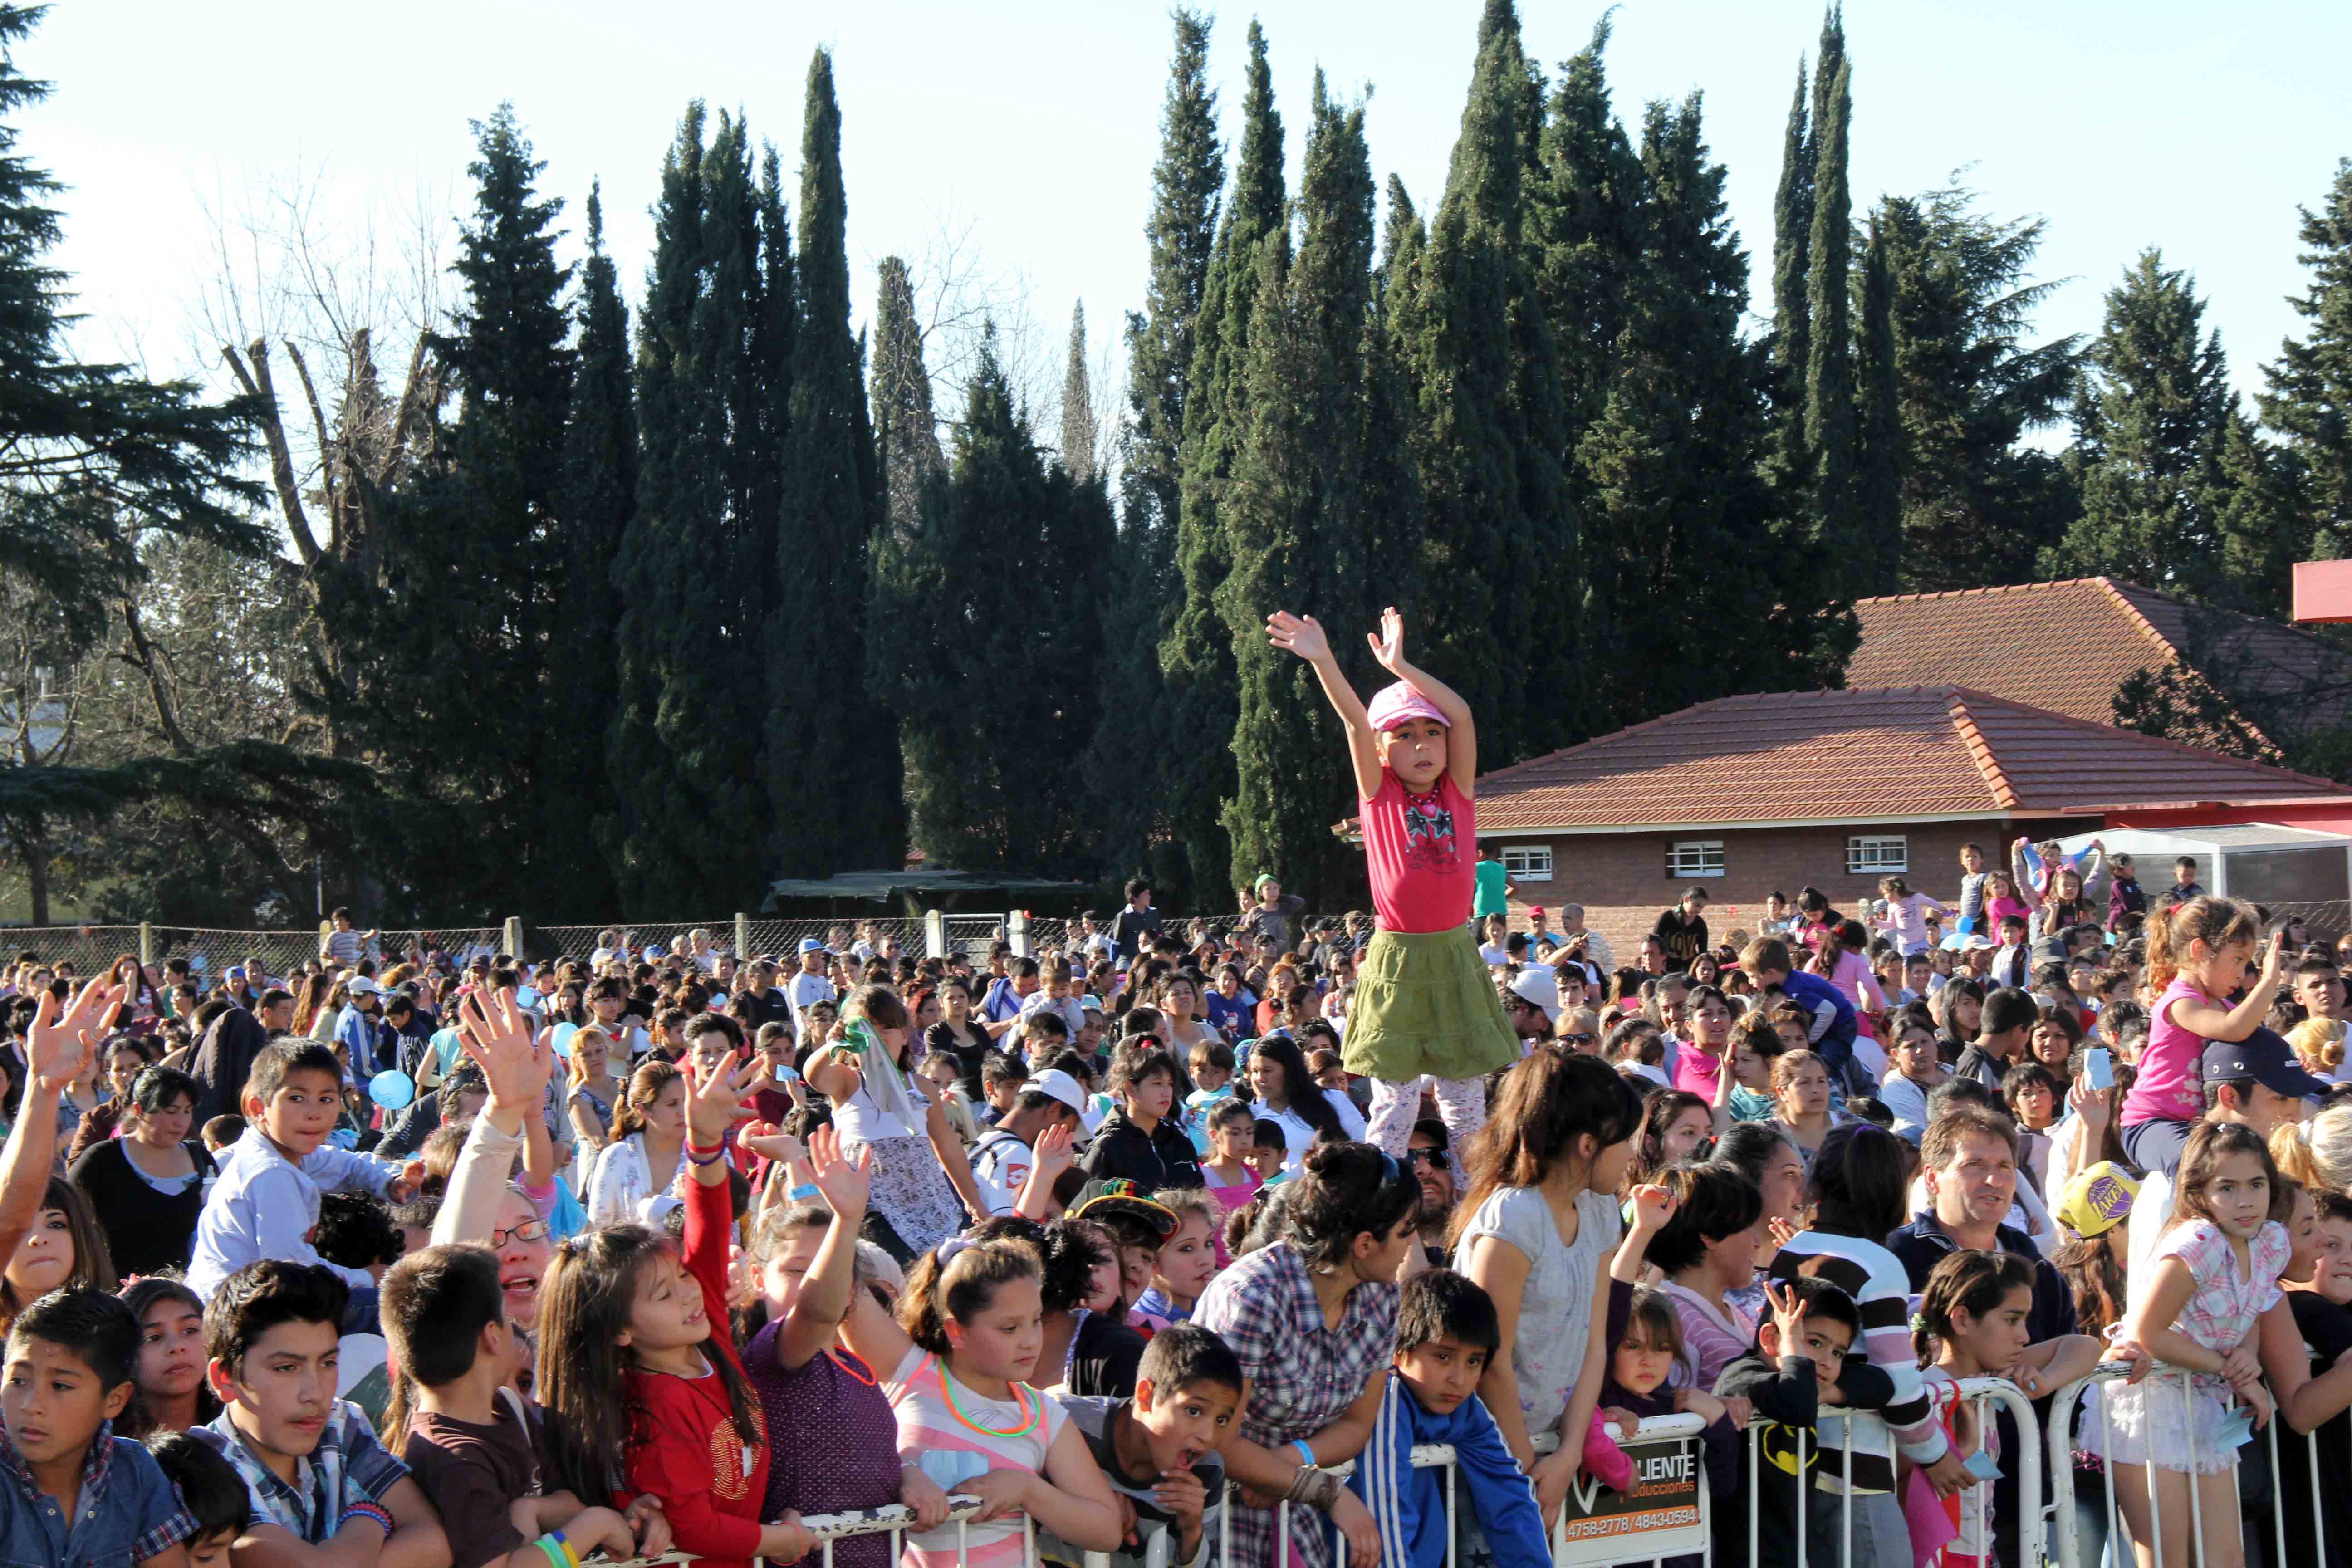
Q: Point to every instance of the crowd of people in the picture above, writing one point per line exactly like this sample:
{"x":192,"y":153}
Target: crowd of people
{"x":413,"y":1259}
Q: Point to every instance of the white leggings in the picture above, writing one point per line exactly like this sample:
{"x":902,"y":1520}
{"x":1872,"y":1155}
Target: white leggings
{"x":1461,"y":1105}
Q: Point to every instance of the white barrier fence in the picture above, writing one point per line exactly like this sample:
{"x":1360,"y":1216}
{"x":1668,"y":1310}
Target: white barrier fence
{"x":1670,"y":1513}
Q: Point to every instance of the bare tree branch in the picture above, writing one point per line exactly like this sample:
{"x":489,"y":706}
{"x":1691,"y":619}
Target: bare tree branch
{"x":258,"y":383}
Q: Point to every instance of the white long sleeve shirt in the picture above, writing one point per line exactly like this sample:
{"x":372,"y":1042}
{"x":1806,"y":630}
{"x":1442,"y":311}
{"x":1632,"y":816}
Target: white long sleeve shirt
{"x":265,"y":1205}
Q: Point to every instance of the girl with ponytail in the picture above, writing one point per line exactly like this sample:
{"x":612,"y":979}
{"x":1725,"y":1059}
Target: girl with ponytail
{"x":2199,"y":954}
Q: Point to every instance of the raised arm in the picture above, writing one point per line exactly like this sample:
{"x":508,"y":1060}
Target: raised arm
{"x":515,"y":1066}
{"x":1302,"y":635}
{"x":824,"y":1294}
{"x":56,"y":1047}
{"x":1461,"y":729}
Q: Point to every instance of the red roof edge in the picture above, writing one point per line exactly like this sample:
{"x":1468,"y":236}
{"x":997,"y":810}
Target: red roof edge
{"x":1979,"y":749}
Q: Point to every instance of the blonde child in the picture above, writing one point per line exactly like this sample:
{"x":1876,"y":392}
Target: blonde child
{"x":955,"y":1365}
{"x":1972,"y":1323}
{"x":2197,"y":953}
{"x":2215,"y":1271}
{"x":1185,"y":1262}
{"x":1424,"y":1003}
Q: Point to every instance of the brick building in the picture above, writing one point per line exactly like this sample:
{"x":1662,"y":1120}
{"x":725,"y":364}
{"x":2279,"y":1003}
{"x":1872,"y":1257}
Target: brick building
{"x":1835,"y":789}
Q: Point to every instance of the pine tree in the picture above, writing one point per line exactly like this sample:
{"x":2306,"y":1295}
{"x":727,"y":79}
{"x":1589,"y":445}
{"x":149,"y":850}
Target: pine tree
{"x":1197,"y":656}
{"x":1078,"y":438}
{"x":905,"y":430}
{"x":692,"y":569}
{"x":1501,"y":580}
{"x":1878,"y":486}
{"x":2309,"y":396}
{"x":1828,"y":369}
{"x":2257,"y":521}
{"x":598,"y":494}
{"x":2150,"y":417}
{"x":1977,"y":506}
{"x":1298,"y":484}
{"x":835,"y":786}
{"x":1673,"y":463}
{"x":1125,"y":758}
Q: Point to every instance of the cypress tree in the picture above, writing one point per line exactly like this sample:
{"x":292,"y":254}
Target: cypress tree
{"x":1673,"y":462}
{"x":1126,"y":757}
{"x":1197,"y":656}
{"x":2308,"y":400}
{"x":1501,"y":578}
{"x":832,"y":770}
{"x":1583,"y":231}
{"x":1298,"y":484}
{"x":684,"y":750}
{"x":2258,"y":522}
{"x":2150,"y":416}
{"x":597,"y":496}
{"x":905,"y":430}
{"x":1977,"y":506}
{"x":1792,"y":236}
{"x":1878,"y":491}
{"x":1078,"y":438}
{"x":1829,"y":367}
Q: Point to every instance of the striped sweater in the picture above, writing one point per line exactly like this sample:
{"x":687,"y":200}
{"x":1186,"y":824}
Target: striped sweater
{"x":1875,"y":1277}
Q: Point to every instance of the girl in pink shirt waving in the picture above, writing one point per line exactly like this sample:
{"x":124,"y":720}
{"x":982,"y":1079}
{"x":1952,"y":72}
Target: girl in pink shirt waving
{"x":1424,"y":1003}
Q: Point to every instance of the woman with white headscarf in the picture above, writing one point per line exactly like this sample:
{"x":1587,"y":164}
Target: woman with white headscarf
{"x":919,"y":1170}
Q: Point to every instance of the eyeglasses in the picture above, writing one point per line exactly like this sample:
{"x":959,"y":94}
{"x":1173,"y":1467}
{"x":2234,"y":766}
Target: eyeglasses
{"x":529,"y":1230}
{"x":1435,"y":1159}
{"x":1580,"y":1039}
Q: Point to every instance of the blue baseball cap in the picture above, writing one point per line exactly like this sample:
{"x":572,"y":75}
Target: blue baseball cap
{"x":811,"y":944}
{"x":2266,"y":1057}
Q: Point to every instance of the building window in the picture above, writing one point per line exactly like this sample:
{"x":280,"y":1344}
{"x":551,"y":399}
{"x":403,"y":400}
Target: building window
{"x":1878,"y":856}
{"x":1694,"y":857}
{"x":1528,"y":862}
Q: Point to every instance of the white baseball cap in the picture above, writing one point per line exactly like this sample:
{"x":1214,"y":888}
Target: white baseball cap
{"x":1061,"y":1086}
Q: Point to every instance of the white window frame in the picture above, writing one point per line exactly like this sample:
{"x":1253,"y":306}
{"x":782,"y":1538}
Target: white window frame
{"x":1694,"y":859}
{"x":1535,"y":862}
{"x":1877,"y":855}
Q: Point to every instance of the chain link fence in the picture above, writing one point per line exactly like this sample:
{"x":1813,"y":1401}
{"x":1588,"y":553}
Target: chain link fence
{"x":2324,"y":920}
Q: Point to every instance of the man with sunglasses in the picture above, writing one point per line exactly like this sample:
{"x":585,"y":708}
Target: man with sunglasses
{"x":1432,"y":1168}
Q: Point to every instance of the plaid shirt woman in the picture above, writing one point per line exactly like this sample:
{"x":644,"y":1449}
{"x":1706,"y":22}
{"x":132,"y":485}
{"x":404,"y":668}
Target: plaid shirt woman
{"x":1305,"y":1371}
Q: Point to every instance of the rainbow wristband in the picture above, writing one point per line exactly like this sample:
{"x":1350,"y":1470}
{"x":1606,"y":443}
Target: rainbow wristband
{"x":570,"y":1552}
{"x":376,"y":1514}
{"x":555,"y":1558}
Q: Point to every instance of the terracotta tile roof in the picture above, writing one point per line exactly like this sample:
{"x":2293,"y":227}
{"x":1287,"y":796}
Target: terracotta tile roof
{"x":1873,"y":754}
{"x":2066,"y":646}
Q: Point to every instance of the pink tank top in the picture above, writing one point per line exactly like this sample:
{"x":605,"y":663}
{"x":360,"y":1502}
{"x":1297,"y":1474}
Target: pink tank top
{"x":1419,"y":852}
{"x":2169,"y":1088}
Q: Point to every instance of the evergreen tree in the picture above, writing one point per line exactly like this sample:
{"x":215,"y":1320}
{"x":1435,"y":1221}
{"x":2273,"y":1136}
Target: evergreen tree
{"x":2257,"y":520}
{"x":1792,"y":236}
{"x":2309,"y":396}
{"x":1078,"y":438}
{"x":693,"y":566}
{"x":1127,"y":757}
{"x":1501,"y":580}
{"x":991,"y":782}
{"x":1829,"y":368}
{"x":1673,"y":463}
{"x":1878,"y":488}
{"x":1299,"y":483}
{"x":596,"y":496}
{"x":2150,"y":417}
{"x":1197,"y":656}
{"x":833,"y":786}
{"x":905,"y":430}
{"x":1977,"y":506}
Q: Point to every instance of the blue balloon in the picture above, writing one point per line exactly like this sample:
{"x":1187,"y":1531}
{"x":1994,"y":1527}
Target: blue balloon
{"x":526,"y":997}
{"x":560,"y":1038}
{"x":392,"y":1089}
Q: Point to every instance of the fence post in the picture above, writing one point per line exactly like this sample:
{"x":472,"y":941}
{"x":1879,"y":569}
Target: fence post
{"x":742,"y":936}
{"x":1016,"y":932}
{"x":935,"y":934}
{"x":512,"y":936}
{"x":146,"y":945}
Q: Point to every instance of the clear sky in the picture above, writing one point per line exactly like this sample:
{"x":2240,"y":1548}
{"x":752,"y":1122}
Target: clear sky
{"x":2198,"y":128}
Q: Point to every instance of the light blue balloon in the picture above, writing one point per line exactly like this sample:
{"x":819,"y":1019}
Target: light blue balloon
{"x":392,"y":1089}
{"x":526,"y":997}
{"x":560,"y":1038}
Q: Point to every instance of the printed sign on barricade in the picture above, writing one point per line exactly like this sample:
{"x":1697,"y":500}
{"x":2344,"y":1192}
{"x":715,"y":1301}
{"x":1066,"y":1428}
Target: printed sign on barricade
{"x":1660,"y":1518}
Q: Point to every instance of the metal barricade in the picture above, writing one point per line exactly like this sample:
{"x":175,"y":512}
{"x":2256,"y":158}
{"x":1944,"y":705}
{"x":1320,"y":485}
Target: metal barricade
{"x":897,"y":1521}
{"x":2162,"y":1386}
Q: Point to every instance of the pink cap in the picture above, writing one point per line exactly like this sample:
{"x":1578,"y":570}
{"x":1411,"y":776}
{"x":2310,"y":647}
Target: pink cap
{"x":1393,"y":705}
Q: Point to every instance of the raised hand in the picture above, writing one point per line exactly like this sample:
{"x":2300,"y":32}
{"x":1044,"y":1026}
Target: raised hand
{"x":1387,"y":644}
{"x":770,"y":1141}
{"x":1653,"y":1206}
{"x":845,"y":1183}
{"x":714,"y":1101}
{"x":1302,"y":635}
{"x":497,"y":1038}
{"x":61,"y":1040}
{"x":1053,"y":1154}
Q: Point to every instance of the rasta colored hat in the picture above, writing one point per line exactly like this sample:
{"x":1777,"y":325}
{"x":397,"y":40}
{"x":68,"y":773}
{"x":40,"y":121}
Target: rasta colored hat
{"x":2097,"y":1200}
{"x":1393,"y":705}
{"x":1118,"y":1198}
